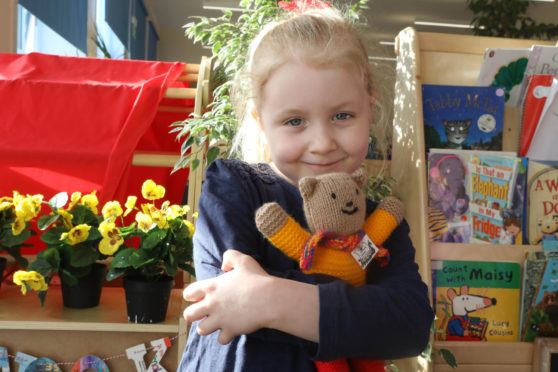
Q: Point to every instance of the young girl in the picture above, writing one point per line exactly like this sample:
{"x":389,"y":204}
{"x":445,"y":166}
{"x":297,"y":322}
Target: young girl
{"x":311,"y":95}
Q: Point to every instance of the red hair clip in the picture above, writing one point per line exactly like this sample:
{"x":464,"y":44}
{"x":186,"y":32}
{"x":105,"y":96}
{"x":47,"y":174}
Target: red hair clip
{"x":300,"y":6}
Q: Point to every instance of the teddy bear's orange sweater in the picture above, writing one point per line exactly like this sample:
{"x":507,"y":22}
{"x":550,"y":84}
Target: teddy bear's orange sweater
{"x":291,"y":239}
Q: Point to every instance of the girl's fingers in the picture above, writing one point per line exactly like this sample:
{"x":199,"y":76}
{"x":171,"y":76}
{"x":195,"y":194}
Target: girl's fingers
{"x":231,"y":259}
{"x":225,"y":337}
{"x":207,"y":326}
{"x":195,"y":312}
{"x":198,"y":290}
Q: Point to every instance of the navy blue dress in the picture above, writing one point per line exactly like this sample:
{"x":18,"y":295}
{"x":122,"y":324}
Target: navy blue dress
{"x":388,"y":318}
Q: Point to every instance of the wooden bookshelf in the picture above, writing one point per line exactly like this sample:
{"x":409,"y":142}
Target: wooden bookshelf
{"x":65,"y":335}
{"x":453,"y":60}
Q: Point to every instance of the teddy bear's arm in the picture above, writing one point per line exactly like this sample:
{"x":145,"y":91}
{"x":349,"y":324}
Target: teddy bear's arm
{"x":381,"y":223}
{"x":281,"y":230}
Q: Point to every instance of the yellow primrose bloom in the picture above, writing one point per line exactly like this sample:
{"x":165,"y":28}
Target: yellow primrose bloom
{"x":91,"y":201}
{"x":18,"y":226}
{"x":159,"y":218}
{"x":151,"y":191}
{"x":111,"y":238}
{"x":31,"y":279}
{"x":5,"y":205}
{"x":112,"y":210}
{"x":145,"y":223}
{"x":130,"y":204}
{"x":37,"y":200}
{"x":25,"y":209}
{"x":66,"y":218}
{"x":17,"y":197}
{"x":77,"y":234}
{"x":195,"y":215}
{"x":74,"y":199}
{"x":175,"y":211}
{"x":190,"y":227}
{"x":148,"y":209}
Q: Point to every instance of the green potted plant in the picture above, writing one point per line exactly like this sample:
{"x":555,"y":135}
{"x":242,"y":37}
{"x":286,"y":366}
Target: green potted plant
{"x":71,"y":234}
{"x":16,"y":215}
{"x":148,"y":252}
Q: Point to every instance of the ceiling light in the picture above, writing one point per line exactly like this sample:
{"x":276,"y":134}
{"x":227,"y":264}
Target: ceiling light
{"x":376,"y":58}
{"x":222,"y":5}
{"x":387,"y":43}
{"x":442,"y":24}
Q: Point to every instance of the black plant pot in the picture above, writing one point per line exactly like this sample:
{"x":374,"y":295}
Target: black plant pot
{"x":87,"y":292}
{"x":147,"y":301}
{"x":3,"y":263}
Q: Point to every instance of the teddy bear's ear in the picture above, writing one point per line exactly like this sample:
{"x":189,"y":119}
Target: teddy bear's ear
{"x":307,"y":185}
{"x":360,"y":177}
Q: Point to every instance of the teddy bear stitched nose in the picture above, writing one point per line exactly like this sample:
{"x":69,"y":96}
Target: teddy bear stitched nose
{"x":349,"y":204}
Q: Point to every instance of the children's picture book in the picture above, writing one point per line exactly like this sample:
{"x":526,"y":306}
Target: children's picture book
{"x":542,"y":320}
{"x":476,"y":196}
{"x":463,"y":117}
{"x":533,"y":269}
{"x":504,"y":67}
{"x":538,"y":89}
{"x":497,"y":198}
{"x":542,"y":202}
{"x":543,"y":60}
{"x":476,"y":300}
{"x":543,"y":144}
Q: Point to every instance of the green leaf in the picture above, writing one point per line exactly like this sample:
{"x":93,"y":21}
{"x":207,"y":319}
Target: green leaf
{"x":154,"y":238}
{"x":122,"y":259}
{"x":140,"y":258}
{"x":212,"y":154}
{"x":114,"y":273}
{"x":52,"y":236}
{"x":84,"y":256}
{"x":448,"y":357}
{"x":68,"y":278}
{"x":13,"y":241}
{"x":195,"y":164}
{"x":45,"y":221}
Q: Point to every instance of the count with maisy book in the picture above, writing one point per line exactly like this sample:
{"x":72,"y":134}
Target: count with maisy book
{"x":462,"y":327}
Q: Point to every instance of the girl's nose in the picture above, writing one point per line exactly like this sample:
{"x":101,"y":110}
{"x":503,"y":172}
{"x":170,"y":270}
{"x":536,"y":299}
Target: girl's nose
{"x":323,"y":139}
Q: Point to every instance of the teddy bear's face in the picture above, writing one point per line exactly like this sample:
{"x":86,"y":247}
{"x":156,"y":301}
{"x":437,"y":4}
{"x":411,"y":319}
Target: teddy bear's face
{"x":549,"y":224}
{"x":335,"y":202}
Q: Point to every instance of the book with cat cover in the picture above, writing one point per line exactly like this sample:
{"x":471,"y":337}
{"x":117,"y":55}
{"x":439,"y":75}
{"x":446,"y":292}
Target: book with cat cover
{"x":476,"y":300}
{"x":542,"y":320}
{"x":497,"y":198}
{"x":504,"y":67}
{"x":463,"y":117}
{"x":542,"y":201}
{"x":538,"y":89}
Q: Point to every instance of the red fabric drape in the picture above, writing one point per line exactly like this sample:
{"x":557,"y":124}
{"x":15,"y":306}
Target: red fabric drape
{"x":72,"y":124}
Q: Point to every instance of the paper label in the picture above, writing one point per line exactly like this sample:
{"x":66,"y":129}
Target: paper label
{"x":365,"y":252}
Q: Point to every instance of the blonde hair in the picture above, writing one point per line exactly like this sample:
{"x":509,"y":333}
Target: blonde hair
{"x":319,"y":38}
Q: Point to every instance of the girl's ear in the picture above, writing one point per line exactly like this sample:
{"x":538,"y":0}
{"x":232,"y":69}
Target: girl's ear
{"x":307,"y":185}
{"x":360,"y":177}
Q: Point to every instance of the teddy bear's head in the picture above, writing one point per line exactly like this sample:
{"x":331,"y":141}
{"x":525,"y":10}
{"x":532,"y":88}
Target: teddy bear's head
{"x":549,"y":224}
{"x":335,"y":202}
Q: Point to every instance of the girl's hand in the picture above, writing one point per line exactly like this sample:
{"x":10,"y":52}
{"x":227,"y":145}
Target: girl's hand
{"x":236,"y":302}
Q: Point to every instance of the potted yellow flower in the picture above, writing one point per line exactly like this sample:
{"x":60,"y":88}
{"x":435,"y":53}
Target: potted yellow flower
{"x":71,"y":233}
{"x":163,"y":246}
{"x":16,"y":214}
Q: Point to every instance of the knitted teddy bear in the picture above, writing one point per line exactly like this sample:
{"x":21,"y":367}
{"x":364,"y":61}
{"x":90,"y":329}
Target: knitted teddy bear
{"x":341,"y":240}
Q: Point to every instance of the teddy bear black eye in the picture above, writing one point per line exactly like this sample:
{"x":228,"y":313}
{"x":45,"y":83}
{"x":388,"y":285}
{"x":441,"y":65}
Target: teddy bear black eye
{"x":333,"y":195}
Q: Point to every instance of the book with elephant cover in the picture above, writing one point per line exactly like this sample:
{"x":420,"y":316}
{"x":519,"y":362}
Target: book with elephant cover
{"x":476,"y":300}
{"x":542,"y":202}
{"x":463,"y":117}
{"x":476,"y":196}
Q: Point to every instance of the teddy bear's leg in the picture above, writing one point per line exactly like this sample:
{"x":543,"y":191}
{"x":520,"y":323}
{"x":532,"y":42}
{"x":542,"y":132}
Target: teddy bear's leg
{"x":367,"y":365}
{"x":338,"y":365}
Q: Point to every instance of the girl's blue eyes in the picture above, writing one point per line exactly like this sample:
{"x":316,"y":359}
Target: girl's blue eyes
{"x":342,"y":116}
{"x":296,"y":122}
